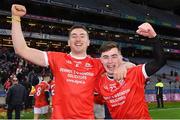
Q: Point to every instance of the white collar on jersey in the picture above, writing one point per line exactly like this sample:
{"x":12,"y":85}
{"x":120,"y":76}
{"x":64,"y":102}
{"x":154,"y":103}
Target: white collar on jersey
{"x":110,"y":77}
{"x":77,"y":57}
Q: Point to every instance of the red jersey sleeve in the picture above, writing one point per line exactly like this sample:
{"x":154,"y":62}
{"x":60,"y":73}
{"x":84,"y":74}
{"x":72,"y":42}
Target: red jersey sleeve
{"x":53,"y":57}
{"x":139,"y":72}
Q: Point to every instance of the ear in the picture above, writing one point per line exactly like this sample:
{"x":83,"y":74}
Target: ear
{"x":68,"y":42}
{"x":88,"y":42}
{"x":121,"y":57}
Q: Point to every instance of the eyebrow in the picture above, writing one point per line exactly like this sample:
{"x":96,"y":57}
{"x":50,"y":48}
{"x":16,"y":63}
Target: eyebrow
{"x":76,"y":34}
{"x":104,"y":56}
{"x":110,"y":55}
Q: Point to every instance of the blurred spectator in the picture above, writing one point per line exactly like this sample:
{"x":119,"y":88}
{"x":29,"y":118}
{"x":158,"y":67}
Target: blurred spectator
{"x":159,"y":93}
{"x":19,"y":69}
{"x":31,"y":96}
{"x":177,"y":79}
{"x":27,"y":85}
{"x":7,"y":84}
{"x":15,"y":99}
{"x":41,"y":99}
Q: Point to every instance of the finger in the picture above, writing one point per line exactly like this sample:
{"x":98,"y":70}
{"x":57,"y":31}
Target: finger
{"x":18,"y":8}
{"x":116,"y":71}
{"x":144,"y":29}
{"x":138,"y":31}
{"x":23,"y":9}
{"x":116,"y":74}
{"x":144,"y":33}
{"x":118,"y":77}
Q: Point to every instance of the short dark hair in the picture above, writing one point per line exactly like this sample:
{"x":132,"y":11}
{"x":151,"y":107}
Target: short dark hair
{"x":159,"y":79}
{"x":76,"y":27}
{"x":106,"y":46}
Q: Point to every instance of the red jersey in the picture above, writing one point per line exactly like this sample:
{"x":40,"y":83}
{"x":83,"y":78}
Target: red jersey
{"x":75,"y":83}
{"x":126,"y":99}
{"x":40,"y":98}
{"x":7,"y":85}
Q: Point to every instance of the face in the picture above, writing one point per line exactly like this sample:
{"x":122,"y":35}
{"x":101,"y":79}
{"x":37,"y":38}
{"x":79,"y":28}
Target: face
{"x":14,"y":80}
{"x":111,"y":59}
{"x":78,"y":41}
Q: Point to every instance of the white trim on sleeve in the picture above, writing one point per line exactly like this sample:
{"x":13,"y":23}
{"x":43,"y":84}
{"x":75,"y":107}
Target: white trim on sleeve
{"x":144,"y":72}
{"x":46,"y":59}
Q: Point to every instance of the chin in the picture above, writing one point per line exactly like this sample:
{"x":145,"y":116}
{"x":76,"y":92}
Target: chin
{"x":110,"y":72}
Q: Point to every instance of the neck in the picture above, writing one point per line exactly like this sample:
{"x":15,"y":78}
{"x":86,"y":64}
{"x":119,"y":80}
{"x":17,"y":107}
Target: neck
{"x":78,"y":56}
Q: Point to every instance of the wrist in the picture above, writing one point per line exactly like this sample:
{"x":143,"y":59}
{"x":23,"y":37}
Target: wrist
{"x":16,"y":18}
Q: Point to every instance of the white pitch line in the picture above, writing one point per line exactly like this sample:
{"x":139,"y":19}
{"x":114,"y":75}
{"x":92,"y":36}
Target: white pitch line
{"x":163,"y":109}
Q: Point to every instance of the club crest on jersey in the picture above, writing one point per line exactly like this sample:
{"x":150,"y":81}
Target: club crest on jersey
{"x":111,"y":87}
{"x":88,"y":65}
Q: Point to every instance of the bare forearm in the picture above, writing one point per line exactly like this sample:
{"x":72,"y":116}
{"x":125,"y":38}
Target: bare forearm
{"x":18,"y":40}
{"x":21,"y":47}
{"x":33,"y":55}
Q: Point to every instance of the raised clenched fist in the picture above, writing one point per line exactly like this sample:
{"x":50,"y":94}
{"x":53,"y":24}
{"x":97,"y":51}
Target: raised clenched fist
{"x":146,"y":30}
{"x":18,"y":10}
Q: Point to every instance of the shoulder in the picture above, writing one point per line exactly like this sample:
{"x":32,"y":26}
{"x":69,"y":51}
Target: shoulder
{"x":22,"y":86}
{"x":54,"y":57}
{"x":136,"y":68}
{"x":95,"y":60}
{"x":55,"y":53}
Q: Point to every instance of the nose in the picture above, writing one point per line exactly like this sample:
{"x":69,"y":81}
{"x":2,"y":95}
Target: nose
{"x":78,"y":38}
{"x":110,"y":60}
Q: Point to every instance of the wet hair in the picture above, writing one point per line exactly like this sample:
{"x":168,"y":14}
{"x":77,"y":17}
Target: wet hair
{"x":106,"y":46}
{"x":77,"y":27}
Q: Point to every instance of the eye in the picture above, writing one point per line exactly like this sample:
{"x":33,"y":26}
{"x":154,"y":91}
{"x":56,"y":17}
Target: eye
{"x":105,"y":57}
{"x":82,"y":36}
{"x":115,"y":56}
{"x":73,"y":36}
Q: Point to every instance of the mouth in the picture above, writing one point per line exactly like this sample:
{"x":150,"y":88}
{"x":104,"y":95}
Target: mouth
{"x":78,"y":44}
{"x":111,"y":67}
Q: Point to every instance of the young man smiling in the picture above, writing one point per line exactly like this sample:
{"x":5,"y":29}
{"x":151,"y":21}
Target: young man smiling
{"x":126,"y":99}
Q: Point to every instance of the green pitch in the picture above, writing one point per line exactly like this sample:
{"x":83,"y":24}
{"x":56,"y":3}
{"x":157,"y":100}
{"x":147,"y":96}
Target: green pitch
{"x":171,"y":110}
